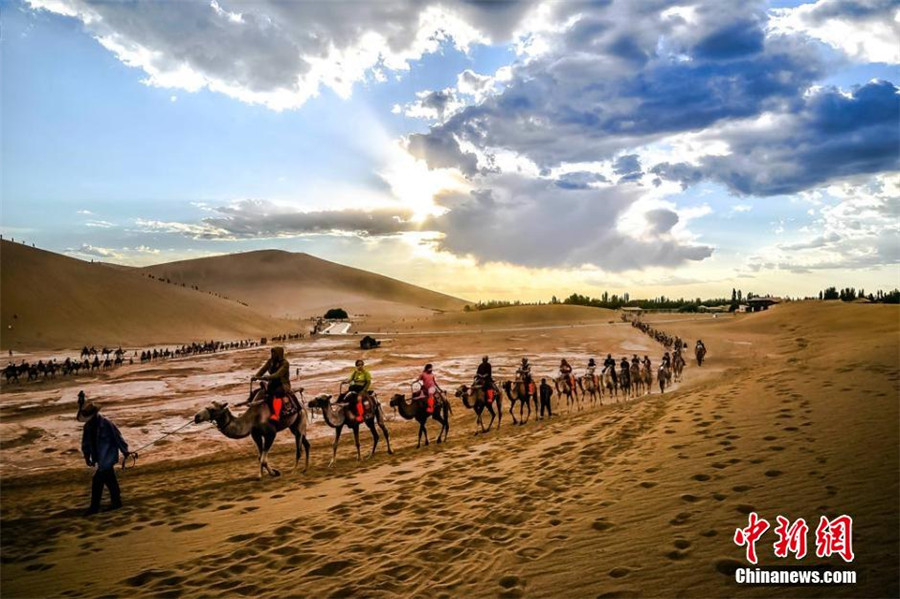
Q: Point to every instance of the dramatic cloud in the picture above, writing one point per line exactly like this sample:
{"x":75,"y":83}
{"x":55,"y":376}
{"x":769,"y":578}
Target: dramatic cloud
{"x":620,"y":74}
{"x":866,"y":30}
{"x":533,"y":222}
{"x":252,"y":219}
{"x":281,"y":53}
{"x":832,"y":135}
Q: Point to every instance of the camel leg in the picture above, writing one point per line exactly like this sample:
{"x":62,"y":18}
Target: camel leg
{"x":356,"y":440}
{"x":424,"y":430}
{"x":299,"y":451}
{"x":379,"y":418}
{"x":419,"y":438}
{"x":512,"y":406}
{"x":528,"y":416}
{"x":305,"y":443}
{"x":334,"y":446}
{"x":257,"y":439}
{"x":478,"y":422}
{"x":499,"y":401}
{"x":491,"y":423}
{"x":269,"y":440}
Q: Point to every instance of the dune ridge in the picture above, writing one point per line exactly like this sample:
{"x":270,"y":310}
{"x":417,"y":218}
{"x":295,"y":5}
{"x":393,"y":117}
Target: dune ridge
{"x":297,"y":285}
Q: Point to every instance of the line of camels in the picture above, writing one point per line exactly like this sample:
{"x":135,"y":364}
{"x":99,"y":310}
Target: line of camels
{"x":256,"y":422}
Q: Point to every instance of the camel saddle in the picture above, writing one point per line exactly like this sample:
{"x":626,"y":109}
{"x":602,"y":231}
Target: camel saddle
{"x":348,"y":400}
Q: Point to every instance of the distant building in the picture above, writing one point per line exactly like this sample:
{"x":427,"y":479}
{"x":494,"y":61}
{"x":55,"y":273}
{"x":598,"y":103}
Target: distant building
{"x":761,"y":303}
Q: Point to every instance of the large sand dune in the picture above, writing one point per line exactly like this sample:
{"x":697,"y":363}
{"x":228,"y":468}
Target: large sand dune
{"x":53,"y":301}
{"x":284,"y":284}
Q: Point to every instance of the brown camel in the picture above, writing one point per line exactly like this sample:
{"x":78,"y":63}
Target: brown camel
{"x":608,"y":381}
{"x":590,"y":386}
{"x":663,"y":375}
{"x":475,"y":398}
{"x":647,"y":378}
{"x":637,"y":381}
{"x":565,"y":387}
{"x":338,"y":414}
{"x":517,"y":391}
{"x":416,"y":409}
{"x":255,"y":422}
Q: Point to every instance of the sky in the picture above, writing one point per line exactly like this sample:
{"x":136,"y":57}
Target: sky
{"x":500,"y":150}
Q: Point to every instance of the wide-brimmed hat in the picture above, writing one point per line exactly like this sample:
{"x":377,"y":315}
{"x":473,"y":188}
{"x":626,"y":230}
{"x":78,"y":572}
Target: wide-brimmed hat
{"x":87,"y":411}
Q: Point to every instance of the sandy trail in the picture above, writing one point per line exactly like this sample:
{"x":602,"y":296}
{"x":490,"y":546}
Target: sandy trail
{"x":631,"y":499}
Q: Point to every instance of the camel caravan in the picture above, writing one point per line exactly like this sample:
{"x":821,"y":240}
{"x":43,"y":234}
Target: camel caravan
{"x":273,"y":406}
{"x":94,"y":361}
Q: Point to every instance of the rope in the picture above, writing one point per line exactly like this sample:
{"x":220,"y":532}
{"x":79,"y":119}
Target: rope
{"x":133,"y":455}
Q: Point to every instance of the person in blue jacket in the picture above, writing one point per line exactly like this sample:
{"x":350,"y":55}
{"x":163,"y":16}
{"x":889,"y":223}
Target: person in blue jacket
{"x":101,"y":443}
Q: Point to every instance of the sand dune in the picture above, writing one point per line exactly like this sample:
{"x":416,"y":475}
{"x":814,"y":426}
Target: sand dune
{"x":53,"y":301}
{"x":295,"y":285}
{"x":795,"y":413}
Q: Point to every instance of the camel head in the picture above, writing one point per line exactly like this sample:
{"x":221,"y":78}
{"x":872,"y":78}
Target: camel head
{"x":211,"y":413}
{"x":320,"y":401}
{"x":396,"y":399}
{"x":463,"y":393}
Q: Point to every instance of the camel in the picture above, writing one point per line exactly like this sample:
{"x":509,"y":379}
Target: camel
{"x":608,"y":380}
{"x":625,"y":382}
{"x":517,"y":391}
{"x":647,"y":378}
{"x":255,"y":422}
{"x":474,"y":398}
{"x":635,"y":378}
{"x":565,"y":387}
{"x":590,"y":385}
{"x":416,"y":409}
{"x":677,"y":365}
{"x":700,"y":353}
{"x":337,"y":415}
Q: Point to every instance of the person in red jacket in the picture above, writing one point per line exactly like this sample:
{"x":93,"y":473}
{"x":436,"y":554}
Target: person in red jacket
{"x":429,"y":386}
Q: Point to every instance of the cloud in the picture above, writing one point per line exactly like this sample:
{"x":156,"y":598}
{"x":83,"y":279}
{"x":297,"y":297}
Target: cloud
{"x":661,"y":220}
{"x":580,"y":180}
{"x":95,"y":252}
{"x":859,"y":228}
{"x":442,"y":150}
{"x":280,"y":54}
{"x":865,"y":30}
{"x":533,"y":222}
{"x":261,"y":219}
{"x":615,"y":75}
{"x":833,"y":134}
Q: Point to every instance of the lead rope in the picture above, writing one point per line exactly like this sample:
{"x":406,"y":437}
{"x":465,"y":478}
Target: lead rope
{"x":133,"y":455}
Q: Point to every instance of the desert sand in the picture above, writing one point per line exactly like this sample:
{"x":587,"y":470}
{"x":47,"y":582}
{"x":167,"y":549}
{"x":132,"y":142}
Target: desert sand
{"x":795,"y":413}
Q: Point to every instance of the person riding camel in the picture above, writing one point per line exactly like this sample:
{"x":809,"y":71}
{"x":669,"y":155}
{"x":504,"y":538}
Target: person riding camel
{"x":485,"y":378}
{"x":626,"y":372}
{"x":360,"y":381}
{"x":277,"y":374}
{"x":610,"y":364}
{"x":646,"y":361}
{"x":429,"y":386}
{"x":524,"y":373}
{"x":565,"y":372}
{"x":635,"y":361}
{"x":589,"y":371}
{"x":666,"y":361}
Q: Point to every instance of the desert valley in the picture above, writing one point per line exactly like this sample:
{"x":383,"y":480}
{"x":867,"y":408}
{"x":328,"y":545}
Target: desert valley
{"x":794,"y":413}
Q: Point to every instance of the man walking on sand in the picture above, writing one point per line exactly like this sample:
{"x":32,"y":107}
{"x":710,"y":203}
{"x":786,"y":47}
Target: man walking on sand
{"x":546,"y":394}
{"x":101,"y":443}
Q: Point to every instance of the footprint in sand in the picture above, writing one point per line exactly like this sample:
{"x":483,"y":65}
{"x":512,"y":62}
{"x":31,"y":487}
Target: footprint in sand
{"x":511,"y":586}
{"x":773,"y":473}
{"x":690,"y":498}
{"x":619,"y":572}
{"x":648,"y":484}
{"x":601,"y":524}
{"x":701,"y":477}
{"x":189,"y":526}
{"x":680,"y":518}
{"x":744,"y":508}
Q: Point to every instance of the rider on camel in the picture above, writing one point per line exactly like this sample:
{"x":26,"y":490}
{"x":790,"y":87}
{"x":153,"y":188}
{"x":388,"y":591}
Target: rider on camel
{"x":565,"y":372}
{"x":626,"y":372}
{"x":524,"y":373}
{"x":635,"y":361}
{"x":610,"y":364}
{"x":666,"y":361}
{"x":485,"y":379}
{"x":589,"y":372}
{"x":646,"y":362}
{"x":360,"y":381}
{"x":277,"y":374}
{"x":429,"y":386}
